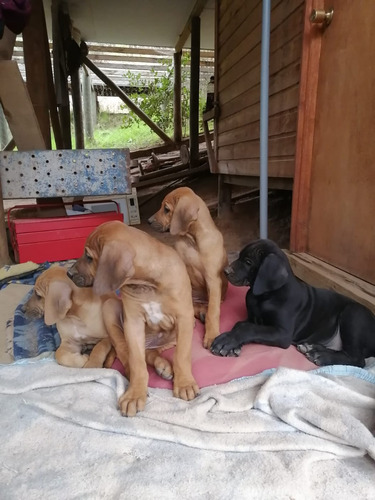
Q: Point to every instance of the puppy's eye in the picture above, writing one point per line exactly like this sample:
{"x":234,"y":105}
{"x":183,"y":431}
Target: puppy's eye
{"x":166,"y":209}
{"x":88,"y":257}
{"x":37,"y":295}
{"x":249,"y":262}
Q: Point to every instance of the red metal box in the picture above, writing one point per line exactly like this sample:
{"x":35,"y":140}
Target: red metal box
{"x":54,"y":238}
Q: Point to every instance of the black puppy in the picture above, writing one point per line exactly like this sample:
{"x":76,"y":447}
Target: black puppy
{"x":329,"y":328}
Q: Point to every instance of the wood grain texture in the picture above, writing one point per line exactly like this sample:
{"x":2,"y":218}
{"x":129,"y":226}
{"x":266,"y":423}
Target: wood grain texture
{"x":305,"y":132}
{"x":238,"y":84}
{"x":341,"y":221}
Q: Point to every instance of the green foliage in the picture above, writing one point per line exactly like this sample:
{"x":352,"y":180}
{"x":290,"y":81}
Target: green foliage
{"x":155,"y":98}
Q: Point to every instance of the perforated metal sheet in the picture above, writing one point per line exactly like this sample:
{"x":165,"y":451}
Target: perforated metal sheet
{"x":78,"y":172}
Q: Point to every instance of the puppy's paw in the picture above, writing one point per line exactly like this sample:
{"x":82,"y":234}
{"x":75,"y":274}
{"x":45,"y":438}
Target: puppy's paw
{"x":163,"y":368}
{"x":186,"y":390}
{"x":130,"y":403}
{"x":226,"y":345}
{"x":207,"y":340}
{"x":304,"y":348}
{"x":314,"y":353}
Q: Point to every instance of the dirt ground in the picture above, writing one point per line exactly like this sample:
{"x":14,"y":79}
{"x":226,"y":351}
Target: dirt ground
{"x":240,"y":226}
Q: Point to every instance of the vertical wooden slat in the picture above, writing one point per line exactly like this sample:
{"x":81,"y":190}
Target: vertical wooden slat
{"x":60,"y":72}
{"x":35,"y":55}
{"x":77,"y":109}
{"x":305,"y":132}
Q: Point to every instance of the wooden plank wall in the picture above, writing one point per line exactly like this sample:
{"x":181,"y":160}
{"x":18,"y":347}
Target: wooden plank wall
{"x":238,"y":85}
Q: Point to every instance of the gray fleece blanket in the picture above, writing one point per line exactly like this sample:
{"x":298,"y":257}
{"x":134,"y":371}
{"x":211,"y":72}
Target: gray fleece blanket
{"x":281,"y":434}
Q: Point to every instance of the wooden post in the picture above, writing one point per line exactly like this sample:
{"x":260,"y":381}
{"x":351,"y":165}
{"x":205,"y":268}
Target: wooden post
{"x":60,"y":71}
{"x":127,"y":101}
{"x":5,"y":135}
{"x":6,"y":51}
{"x":224,"y":205}
{"x":77,"y":109}
{"x":177,"y":122}
{"x":34,"y":49}
{"x":18,"y":108}
{"x":194,"y":91}
{"x":89,"y":105}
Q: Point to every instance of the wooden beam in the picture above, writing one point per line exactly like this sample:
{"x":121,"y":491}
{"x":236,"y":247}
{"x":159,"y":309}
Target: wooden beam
{"x":52,"y":101}
{"x":35,"y":55}
{"x":127,"y":100}
{"x":10,"y":146}
{"x":308,"y":87}
{"x":89,"y":104}
{"x":224,"y":197}
{"x":202,"y":169}
{"x":194,"y":91}
{"x":177,"y":122}
{"x":23,"y":125}
{"x":196,"y":12}
{"x":210,"y":151}
{"x":60,"y":21}
{"x":163,"y":148}
{"x":77,"y":109}
{"x":320,"y":274}
{"x":18,"y":108}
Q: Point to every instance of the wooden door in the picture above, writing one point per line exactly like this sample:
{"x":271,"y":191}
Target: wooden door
{"x":334,"y":194}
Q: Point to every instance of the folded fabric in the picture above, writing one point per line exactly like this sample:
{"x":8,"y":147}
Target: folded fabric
{"x":281,"y":434}
{"x":25,"y":273}
{"x":32,"y":337}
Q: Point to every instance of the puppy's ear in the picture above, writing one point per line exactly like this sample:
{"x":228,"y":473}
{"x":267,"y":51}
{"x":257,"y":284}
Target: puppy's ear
{"x":114,"y":266}
{"x":272,"y":275}
{"x":185,"y":212}
{"x":57,"y":302}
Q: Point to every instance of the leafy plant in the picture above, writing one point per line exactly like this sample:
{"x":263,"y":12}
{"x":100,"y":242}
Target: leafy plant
{"x":155,"y":97}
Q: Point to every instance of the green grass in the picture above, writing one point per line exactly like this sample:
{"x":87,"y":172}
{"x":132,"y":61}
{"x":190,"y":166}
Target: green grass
{"x":110,"y":133}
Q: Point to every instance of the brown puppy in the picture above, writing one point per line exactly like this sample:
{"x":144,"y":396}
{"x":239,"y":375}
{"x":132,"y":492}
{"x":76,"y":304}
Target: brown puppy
{"x":156,"y":296}
{"x":83,"y":319}
{"x":200,"y":245}
{"x":77,"y":313}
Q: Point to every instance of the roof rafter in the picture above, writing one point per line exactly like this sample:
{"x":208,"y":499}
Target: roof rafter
{"x":196,"y":12}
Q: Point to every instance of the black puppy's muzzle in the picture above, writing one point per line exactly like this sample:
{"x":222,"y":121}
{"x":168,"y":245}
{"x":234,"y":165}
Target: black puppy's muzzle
{"x":235,"y":274}
{"x":228,"y":271}
{"x":230,"y":274}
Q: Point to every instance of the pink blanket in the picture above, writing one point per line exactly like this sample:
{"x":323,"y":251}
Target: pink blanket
{"x":254,"y":358}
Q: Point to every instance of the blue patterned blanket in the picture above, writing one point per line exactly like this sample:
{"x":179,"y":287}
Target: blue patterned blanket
{"x":31,"y":337}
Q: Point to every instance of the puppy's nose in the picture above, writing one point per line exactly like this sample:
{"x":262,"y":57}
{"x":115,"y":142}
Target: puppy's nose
{"x":228,"y":270}
{"x":70,"y":274}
